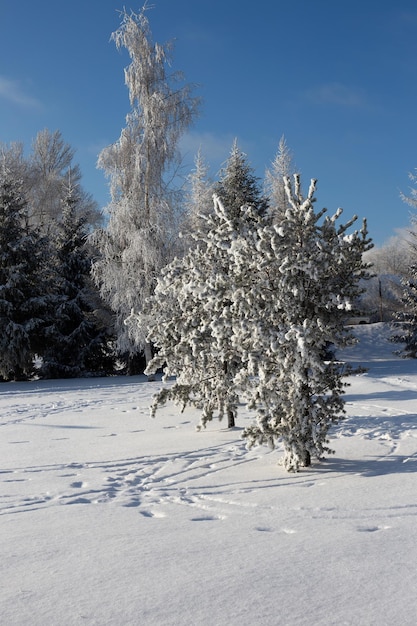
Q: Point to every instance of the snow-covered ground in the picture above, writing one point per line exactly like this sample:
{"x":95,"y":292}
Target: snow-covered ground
{"x":111,"y":518}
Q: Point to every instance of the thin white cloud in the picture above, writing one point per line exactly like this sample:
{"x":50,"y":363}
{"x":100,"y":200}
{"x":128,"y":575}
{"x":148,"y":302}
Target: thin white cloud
{"x":214,"y":148}
{"x":11,"y":90}
{"x":409,"y":17}
{"x":337,"y":94}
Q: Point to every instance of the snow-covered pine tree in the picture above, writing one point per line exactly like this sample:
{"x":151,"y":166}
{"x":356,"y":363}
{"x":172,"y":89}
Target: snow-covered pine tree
{"x":405,"y":324}
{"x":281,"y":167}
{"x":23,"y":283}
{"x":238,"y":185}
{"x":210,"y":285}
{"x":411,"y":199}
{"x":78,"y":344}
{"x":311,"y":268}
{"x":193,"y":315}
{"x":137,"y":241}
{"x":198,"y":200}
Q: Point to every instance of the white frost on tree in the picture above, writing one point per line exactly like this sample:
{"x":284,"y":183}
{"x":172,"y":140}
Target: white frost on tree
{"x":44,"y":175}
{"x":249,"y":315}
{"x":313,"y":269}
{"x":281,"y":166}
{"x":411,"y":198}
{"x":198,"y":199}
{"x":194,"y":310}
{"x":24,"y":284}
{"x":137,"y":241}
{"x":238,"y":185}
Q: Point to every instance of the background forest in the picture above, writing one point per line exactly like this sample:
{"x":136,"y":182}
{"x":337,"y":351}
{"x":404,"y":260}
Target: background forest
{"x":78,"y":281}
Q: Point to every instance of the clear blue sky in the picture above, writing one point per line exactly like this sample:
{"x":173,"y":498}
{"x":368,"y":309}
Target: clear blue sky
{"x":338,"y":79}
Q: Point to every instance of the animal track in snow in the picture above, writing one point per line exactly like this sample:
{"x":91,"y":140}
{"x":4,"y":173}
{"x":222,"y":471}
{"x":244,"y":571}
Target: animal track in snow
{"x":371,"y":529}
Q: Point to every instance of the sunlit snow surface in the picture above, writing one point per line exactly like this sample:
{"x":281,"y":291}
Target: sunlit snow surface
{"x":111,"y":518}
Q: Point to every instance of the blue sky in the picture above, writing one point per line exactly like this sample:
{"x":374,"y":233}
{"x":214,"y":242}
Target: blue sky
{"x":337,"y":79}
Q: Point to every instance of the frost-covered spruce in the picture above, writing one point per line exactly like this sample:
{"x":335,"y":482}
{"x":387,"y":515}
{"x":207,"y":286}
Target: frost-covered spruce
{"x":24,"y":299}
{"x":198,"y":201}
{"x":405,"y":324}
{"x":311,"y":268}
{"x":238,"y":186}
{"x":281,"y":166}
{"x":77,"y":344}
{"x":194,"y":310}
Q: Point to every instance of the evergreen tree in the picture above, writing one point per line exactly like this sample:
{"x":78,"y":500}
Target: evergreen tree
{"x":281,"y":167}
{"x":137,"y":241}
{"x":23,"y":283}
{"x":238,"y":185}
{"x":198,"y":200}
{"x":77,"y":343}
{"x":193,"y":315}
{"x":405,"y":325}
{"x":313,"y":269}
{"x":249,"y":313}
{"x":411,"y":199}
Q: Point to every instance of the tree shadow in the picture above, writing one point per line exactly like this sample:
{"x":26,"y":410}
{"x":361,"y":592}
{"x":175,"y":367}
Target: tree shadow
{"x":370,"y":466}
{"x":404,"y":395}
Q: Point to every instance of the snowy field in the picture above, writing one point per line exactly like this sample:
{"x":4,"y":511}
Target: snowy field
{"x":111,"y":518}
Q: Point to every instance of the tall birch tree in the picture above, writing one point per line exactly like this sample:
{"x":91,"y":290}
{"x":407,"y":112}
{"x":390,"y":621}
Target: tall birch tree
{"x":136,"y":243}
{"x":50,"y":165}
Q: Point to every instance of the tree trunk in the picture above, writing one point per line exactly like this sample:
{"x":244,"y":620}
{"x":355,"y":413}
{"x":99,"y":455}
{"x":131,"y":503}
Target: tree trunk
{"x":148,"y":358}
{"x":231,"y":414}
{"x":306,"y":459}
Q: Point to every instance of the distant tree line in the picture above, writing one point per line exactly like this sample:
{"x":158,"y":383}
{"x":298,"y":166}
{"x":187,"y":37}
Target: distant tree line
{"x":53,"y":322}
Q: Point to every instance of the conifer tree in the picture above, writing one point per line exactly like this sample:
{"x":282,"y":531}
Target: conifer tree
{"x":77,"y":343}
{"x":281,"y":167}
{"x":405,"y":324}
{"x":23,"y":283}
{"x":193,"y":315}
{"x":313,"y":268}
{"x":238,"y":185}
{"x":248,"y":315}
{"x":137,"y":241}
{"x":198,"y":199}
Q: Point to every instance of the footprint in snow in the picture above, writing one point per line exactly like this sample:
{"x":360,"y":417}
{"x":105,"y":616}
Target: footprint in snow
{"x":156,"y":514}
{"x":371,"y":529}
{"x":78,"y":501}
{"x":78,"y":484}
{"x":207,"y":518}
